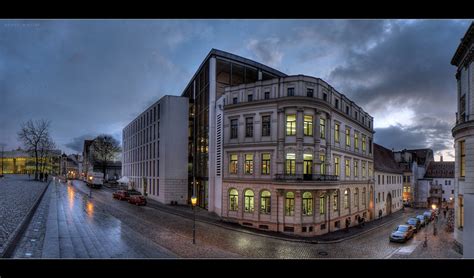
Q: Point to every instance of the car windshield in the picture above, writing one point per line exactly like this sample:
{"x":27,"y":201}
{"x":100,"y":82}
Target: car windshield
{"x":420,"y":217}
{"x":135,"y":193}
{"x":412,"y":221}
{"x":402,"y":228}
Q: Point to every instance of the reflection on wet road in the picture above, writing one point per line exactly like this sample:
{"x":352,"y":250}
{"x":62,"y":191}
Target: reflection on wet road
{"x":78,"y":227}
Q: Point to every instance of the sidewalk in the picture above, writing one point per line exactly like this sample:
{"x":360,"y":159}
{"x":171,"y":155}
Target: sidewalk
{"x":203,"y":215}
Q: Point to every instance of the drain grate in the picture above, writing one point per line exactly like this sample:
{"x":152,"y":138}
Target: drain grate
{"x":323,"y":253}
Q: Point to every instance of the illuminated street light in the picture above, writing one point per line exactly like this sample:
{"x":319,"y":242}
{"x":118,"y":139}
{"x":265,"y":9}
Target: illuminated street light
{"x":193,"y":203}
{"x":433,"y":206}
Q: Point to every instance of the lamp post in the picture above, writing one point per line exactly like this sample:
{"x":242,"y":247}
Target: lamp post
{"x":193,"y":202}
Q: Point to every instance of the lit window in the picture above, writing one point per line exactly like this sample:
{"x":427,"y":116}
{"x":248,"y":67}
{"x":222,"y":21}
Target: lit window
{"x":291,"y":125}
{"x":249,"y":164}
{"x":290,"y":204}
{"x":346,"y":198}
{"x":308,"y":125}
{"x":233,"y":200}
{"x":348,"y":137}
{"x":307,"y":164}
{"x":307,"y":203}
{"x":363,"y":169}
{"x":265,"y":202}
{"x":322,"y":168}
{"x":336,"y":132}
{"x":290,"y":164}
{"x":266,"y":164}
{"x":336,"y":200}
{"x":336,"y":166}
{"x":233,"y":164}
{"x":363,"y":143}
{"x":322,"y":125}
{"x":248,"y":204}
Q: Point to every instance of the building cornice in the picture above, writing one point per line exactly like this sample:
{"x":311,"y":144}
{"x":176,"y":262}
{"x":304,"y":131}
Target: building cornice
{"x":462,"y":126}
{"x":463,"y":47}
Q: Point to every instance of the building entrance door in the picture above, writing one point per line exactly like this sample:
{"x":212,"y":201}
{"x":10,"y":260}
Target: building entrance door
{"x":389,"y":204}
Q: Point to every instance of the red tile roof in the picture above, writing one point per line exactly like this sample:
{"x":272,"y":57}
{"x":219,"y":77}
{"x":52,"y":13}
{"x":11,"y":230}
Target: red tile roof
{"x":384,"y":160}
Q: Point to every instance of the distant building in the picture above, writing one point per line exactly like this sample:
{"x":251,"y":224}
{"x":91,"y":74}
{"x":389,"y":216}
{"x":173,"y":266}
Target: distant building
{"x":414,"y":163}
{"x":438,"y":184}
{"x":388,"y":182}
{"x":463,"y":133}
{"x":71,"y":166}
{"x":22,"y":162}
{"x":155,"y":150}
{"x":89,"y":164}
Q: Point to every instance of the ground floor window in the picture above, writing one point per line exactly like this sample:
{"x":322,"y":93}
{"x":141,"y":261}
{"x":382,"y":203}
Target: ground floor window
{"x":265,"y":205}
{"x":248,"y":204}
{"x":233,"y":200}
{"x":290,"y":204}
{"x":307,"y":203}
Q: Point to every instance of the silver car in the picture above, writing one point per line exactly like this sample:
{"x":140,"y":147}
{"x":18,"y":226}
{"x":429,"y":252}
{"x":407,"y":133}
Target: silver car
{"x":422,"y":220}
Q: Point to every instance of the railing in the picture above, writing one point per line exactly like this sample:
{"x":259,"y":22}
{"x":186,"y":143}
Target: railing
{"x":306,"y":177}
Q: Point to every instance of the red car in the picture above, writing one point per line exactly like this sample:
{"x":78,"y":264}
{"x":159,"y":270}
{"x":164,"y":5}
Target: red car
{"x":121,"y":195}
{"x":137,"y":200}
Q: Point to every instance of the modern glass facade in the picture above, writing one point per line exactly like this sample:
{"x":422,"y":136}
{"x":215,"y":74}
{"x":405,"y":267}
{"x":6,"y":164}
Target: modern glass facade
{"x":16,"y":162}
{"x":230,"y":70}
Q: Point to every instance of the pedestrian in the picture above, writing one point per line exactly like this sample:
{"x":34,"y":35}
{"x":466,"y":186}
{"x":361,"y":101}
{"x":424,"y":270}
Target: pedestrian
{"x":41,"y":176}
{"x":348,"y":222}
{"x":46,"y":177}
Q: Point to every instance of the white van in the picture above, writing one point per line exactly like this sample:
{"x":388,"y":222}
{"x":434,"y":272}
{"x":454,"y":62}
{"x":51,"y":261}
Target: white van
{"x":95,"y":179}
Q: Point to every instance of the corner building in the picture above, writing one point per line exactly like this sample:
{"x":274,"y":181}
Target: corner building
{"x":463,"y":133}
{"x":292,"y":155}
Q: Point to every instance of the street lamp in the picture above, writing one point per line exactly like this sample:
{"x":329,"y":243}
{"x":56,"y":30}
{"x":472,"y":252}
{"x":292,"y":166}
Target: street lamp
{"x":193,"y":203}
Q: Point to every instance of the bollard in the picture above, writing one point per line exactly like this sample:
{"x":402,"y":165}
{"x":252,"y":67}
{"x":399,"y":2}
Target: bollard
{"x":425,"y":243}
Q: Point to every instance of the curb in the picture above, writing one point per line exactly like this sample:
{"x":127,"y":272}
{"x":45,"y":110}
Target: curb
{"x":277,"y":237}
{"x":15,"y":237}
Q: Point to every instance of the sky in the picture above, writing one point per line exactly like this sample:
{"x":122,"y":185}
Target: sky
{"x":90,"y":77}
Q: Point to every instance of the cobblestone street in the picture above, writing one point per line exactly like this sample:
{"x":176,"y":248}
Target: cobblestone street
{"x":69,"y":224}
{"x":17,"y":195}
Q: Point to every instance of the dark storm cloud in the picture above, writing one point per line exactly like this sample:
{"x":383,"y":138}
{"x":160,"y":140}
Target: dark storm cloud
{"x":77,"y":143}
{"x":426,"y":133}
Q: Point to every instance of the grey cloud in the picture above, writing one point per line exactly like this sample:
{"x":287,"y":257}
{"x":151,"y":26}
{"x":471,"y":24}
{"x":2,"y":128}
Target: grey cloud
{"x":77,"y":143}
{"x":266,"y":50}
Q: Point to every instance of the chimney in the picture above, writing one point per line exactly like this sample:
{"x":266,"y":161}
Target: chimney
{"x":441,"y":158}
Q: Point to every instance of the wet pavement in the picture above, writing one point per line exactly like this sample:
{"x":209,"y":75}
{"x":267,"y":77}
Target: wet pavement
{"x":75,"y":227}
{"x":102,"y":227}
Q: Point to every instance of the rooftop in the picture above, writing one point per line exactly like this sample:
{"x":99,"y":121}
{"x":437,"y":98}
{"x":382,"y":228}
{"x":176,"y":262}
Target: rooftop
{"x":466,"y":44}
{"x":384,"y":160}
{"x":438,"y":169}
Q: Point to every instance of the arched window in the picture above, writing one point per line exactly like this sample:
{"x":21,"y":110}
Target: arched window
{"x":364,"y":196}
{"x":307,"y":203}
{"x":322,"y":204}
{"x":248,"y":202}
{"x":346,"y":198}
{"x":233,"y":200}
{"x":265,"y":202}
{"x":290,"y":204}
{"x":356,"y":197}
{"x":336,"y":200}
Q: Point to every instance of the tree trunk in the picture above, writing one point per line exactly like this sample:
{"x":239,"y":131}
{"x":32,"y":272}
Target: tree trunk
{"x":104,"y":168}
{"x":36,"y":164}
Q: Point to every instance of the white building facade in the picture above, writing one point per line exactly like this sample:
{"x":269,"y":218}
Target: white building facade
{"x":388,"y":182}
{"x":463,"y":133}
{"x":293,"y":155}
{"x":155,"y":151}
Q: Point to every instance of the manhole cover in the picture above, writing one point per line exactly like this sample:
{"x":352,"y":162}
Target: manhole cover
{"x":323,"y":253}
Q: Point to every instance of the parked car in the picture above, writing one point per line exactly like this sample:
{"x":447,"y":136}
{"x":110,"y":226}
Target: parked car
{"x":415,"y":222}
{"x":422,"y":220}
{"x":402,"y":233}
{"x":120,"y":194}
{"x":137,"y":200}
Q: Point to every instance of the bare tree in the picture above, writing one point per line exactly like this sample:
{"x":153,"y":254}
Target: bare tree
{"x":45,"y":150}
{"x":33,"y":135}
{"x":105,"y":150}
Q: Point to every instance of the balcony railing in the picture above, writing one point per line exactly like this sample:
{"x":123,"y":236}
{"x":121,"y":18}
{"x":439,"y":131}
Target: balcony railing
{"x":306,"y":177}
